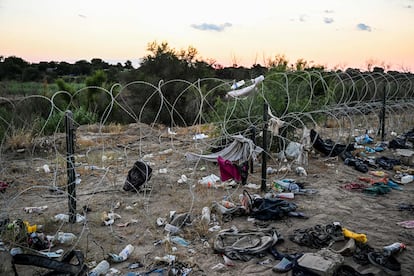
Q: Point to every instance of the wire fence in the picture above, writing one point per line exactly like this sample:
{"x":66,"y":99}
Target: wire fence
{"x":339,"y":105}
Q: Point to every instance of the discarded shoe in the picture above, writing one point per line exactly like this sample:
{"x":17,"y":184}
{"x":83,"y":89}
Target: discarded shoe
{"x":345,"y":248}
{"x":387,"y":263}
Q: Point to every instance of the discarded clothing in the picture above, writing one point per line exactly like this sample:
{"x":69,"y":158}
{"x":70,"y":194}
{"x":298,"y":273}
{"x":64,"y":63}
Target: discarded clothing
{"x":409,"y":224}
{"x":138,"y":175}
{"x":228,"y":170}
{"x":241,"y":149}
{"x":328,"y":147}
{"x":318,"y":236}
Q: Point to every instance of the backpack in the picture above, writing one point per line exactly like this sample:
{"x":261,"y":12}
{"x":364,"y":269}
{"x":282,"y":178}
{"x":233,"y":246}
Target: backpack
{"x":138,"y":175}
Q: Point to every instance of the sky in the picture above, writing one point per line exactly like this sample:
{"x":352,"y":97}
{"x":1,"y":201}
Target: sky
{"x":337,"y":34}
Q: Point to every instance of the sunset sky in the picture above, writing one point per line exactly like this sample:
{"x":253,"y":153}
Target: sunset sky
{"x":333,"y":33}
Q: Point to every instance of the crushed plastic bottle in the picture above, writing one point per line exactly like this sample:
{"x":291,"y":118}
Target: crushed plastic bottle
{"x":65,"y":238}
{"x":205,"y":215}
{"x":101,"y":269}
{"x":179,"y":240}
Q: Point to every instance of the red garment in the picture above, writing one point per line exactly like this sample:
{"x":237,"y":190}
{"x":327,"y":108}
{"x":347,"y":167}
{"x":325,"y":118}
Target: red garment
{"x":228,"y":170}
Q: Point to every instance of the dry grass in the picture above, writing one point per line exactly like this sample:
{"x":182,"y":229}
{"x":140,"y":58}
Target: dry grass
{"x":19,"y":138}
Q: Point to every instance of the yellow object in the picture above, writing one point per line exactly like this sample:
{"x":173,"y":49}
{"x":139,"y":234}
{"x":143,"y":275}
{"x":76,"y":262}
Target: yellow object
{"x":358,"y":237}
{"x":30,"y":228}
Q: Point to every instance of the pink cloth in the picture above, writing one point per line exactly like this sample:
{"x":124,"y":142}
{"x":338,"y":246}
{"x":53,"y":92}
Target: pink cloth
{"x":228,"y":170}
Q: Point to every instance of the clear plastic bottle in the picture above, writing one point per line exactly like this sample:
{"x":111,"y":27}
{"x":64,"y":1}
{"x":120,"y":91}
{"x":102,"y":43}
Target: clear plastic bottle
{"x":407,"y":179}
{"x":393,"y":248}
{"x":126,"y":252}
{"x":205,"y":215}
{"x":65,"y":238}
{"x":101,"y":269}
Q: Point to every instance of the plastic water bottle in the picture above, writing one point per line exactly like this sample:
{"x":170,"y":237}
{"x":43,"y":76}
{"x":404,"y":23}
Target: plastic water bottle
{"x":407,"y":179}
{"x":394,"y":248}
{"x":65,"y":238}
{"x":101,"y":269}
{"x":205,"y":215}
{"x":126,"y":252}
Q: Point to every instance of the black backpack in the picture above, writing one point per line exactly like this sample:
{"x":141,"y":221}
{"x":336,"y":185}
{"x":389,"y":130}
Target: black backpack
{"x":138,"y":175}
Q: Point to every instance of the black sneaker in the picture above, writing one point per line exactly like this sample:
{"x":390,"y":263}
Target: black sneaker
{"x":387,"y":263}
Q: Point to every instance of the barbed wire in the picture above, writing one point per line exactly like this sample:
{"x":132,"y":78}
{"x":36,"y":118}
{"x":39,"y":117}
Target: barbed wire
{"x":347,"y":106}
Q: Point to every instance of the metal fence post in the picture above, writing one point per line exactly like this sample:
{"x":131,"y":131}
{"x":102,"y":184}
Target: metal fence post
{"x":384,"y":99}
{"x":264,"y":154}
{"x":70,"y":165}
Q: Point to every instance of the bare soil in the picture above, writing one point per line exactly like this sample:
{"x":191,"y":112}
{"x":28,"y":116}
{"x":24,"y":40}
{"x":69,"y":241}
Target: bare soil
{"x":100,"y":190}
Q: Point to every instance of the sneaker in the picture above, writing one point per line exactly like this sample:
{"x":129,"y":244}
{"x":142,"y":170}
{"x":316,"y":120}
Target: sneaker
{"x":387,"y":263}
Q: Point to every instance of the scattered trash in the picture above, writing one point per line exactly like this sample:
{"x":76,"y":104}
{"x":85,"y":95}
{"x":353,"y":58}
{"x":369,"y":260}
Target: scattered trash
{"x":252,"y":186}
{"x":56,"y":254}
{"x":179,"y":240}
{"x":183,"y":179}
{"x":407,"y":179}
{"x":3,"y":186}
{"x":238,"y":84}
{"x":170,"y":132}
{"x":394,"y":248}
{"x":205,"y":215}
{"x":127,"y":223}
{"x":171,"y":228}
{"x":200,"y":136}
{"x":15,"y":251}
{"x":167,"y":258}
{"x":160,"y":221}
{"x":301,"y":171}
{"x":32,"y":228}
{"x":65,"y":238}
{"x":409,"y":224}
{"x":123,"y":255}
{"x":228,"y":261}
{"x":65,"y":218}
{"x":218,"y":267}
{"x":209,"y":181}
{"x":101,"y":269}
{"x":46,"y":168}
{"x":165,"y":152}
{"x":109,"y":218}
{"x":135,"y":265}
{"x":214,"y":228}
{"x":39,"y":209}
{"x":163,"y":171}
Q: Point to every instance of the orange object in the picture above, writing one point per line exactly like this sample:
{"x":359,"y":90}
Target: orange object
{"x":372,"y":180}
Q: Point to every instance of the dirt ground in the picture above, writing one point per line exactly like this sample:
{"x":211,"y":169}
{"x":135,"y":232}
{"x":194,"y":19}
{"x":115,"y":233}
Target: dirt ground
{"x":100,"y":190}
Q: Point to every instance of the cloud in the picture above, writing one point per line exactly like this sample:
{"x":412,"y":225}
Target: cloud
{"x":211,"y":27}
{"x":363,"y":27}
{"x":328,"y":20}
